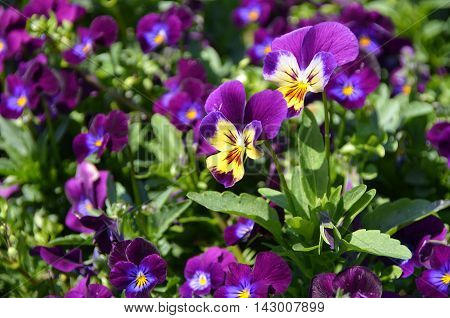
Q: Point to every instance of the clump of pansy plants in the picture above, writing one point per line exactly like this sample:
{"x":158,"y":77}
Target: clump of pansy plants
{"x":144,"y":155}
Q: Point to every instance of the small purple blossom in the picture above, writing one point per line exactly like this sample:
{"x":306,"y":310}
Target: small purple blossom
{"x":106,"y":131}
{"x":269,"y":275}
{"x":252,"y":11}
{"x":439,"y":137}
{"x":155,"y":30}
{"x":136,"y":267}
{"x":240,"y":231}
{"x":63,"y":9}
{"x":353,"y":282}
{"x":102,"y":32}
{"x":233,"y":127}
{"x":86,"y":290}
{"x":87,"y":193}
{"x":435,"y":282}
{"x":303,"y":60}
{"x":17,"y":97}
{"x":205,"y":273}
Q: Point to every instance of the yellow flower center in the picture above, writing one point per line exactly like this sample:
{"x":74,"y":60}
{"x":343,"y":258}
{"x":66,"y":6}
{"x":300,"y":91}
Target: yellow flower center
{"x":98,"y":142}
{"x":202,"y":280}
{"x":141,"y":280}
{"x":244,"y":294}
{"x":364,"y":41}
{"x":406,"y":89}
{"x":347,"y":90}
{"x":446,"y":278}
{"x":89,"y":206}
{"x":22,"y":101}
{"x":159,"y":38}
{"x":2,"y":46}
{"x":191,"y":114}
{"x":253,"y":15}
{"x":267,"y":49}
{"x":87,"y":48}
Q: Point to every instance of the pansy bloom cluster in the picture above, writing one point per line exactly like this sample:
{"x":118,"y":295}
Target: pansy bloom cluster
{"x":224,"y":149}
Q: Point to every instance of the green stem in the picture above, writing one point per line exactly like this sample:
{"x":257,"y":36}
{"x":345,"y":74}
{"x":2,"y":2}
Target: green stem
{"x":284,"y":186}
{"x":327,"y":137}
{"x":134,"y":185}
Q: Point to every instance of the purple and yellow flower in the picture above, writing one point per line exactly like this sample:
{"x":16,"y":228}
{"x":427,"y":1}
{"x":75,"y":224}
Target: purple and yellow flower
{"x":102,"y":32}
{"x":17,"y":97}
{"x":353,"y":282}
{"x":106,"y":131}
{"x":439,"y":137}
{"x":351,"y":86}
{"x":86,"y":192}
{"x":205,"y":273}
{"x":57,"y":257}
{"x":303,"y":61}
{"x":270,"y":275}
{"x":252,"y":11}
{"x":136,"y":267}
{"x":63,"y":9}
{"x":371,"y":28}
{"x":155,"y":30}
{"x":420,"y":237}
{"x":234,"y":128}
{"x":240,"y":231}
{"x":435,"y":282}
{"x":86,"y":290}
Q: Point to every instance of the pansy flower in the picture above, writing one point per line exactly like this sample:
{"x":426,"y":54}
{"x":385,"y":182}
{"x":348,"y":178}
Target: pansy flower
{"x":86,"y":192}
{"x":240,"y":231}
{"x":86,"y":290}
{"x":269,"y":275}
{"x":58,"y":258}
{"x":155,"y":30}
{"x":435,"y":282}
{"x":106,"y":131}
{"x":183,"y":13}
{"x":350,"y":86}
{"x":102,"y":32}
{"x":205,"y":273}
{"x":63,"y":9}
{"x":371,"y":28}
{"x":303,"y":61}
{"x":439,"y":137}
{"x":353,"y":282}
{"x":420,"y":237}
{"x":252,"y":11}
{"x":136,"y":267}
{"x":234,"y":128}
{"x":18,"y":95}
{"x":106,"y":231}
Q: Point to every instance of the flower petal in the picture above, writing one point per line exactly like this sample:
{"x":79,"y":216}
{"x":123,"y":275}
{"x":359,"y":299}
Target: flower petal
{"x":291,"y":41}
{"x":322,"y":286}
{"x":251,"y":134}
{"x":219,"y":131}
{"x":138,"y":249}
{"x":281,"y":67}
{"x":273,"y":270}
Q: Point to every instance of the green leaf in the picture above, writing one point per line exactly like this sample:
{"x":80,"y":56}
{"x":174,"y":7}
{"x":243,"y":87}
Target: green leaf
{"x":352,"y":196}
{"x":357,"y":208}
{"x":415,"y":109}
{"x":301,"y":226}
{"x":376,"y":243}
{"x":246,"y":205}
{"x":275,"y":196}
{"x":72,"y":239}
{"x":167,"y":215}
{"x":299,"y":247}
{"x":390,"y":216}
{"x":313,"y":163}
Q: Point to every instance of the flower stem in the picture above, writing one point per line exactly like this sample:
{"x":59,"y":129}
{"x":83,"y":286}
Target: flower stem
{"x":134,"y":185}
{"x":327,"y":116}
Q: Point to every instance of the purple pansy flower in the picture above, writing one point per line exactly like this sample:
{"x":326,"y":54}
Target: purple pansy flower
{"x":85,"y":290}
{"x":239,"y":231}
{"x":183,"y":13}
{"x":136,"y":267}
{"x":186,"y":107}
{"x":420,"y":237}
{"x":106,"y":131}
{"x":155,"y":30}
{"x":351,"y":86}
{"x":63,"y":9}
{"x":401,"y":82}
{"x":270,"y":275}
{"x":205,"y":273}
{"x":371,"y":28}
{"x":303,"y":61}
{"x":354,"y":282}
{"x":59,"y":259}
{"x":102,"y":32}
{"x":439,"y":137}
{"x":18,"y":95}
{"x":435,"y":282}
{"x":251,"y":11}
{"x":86,"y":192}
{"x":106,"y":231}
{"x":234,"y":127}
